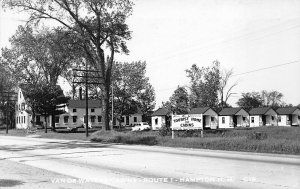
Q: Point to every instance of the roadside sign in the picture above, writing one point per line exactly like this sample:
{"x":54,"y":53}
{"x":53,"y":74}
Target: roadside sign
{"x":186,"y":122}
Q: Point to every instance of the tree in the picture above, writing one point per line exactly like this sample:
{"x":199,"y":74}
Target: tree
{"x":47,"y":52}
{"x":179,"y":101}
{"x":132,"y":90}
{"x":272,"y":98}
{"x":49,"y":99}
{"x":205,"y":84}
{"x":224,"y":96}
{"x":96,"y":24}
{"x":250,"y":100}
{"x":7,"y":84}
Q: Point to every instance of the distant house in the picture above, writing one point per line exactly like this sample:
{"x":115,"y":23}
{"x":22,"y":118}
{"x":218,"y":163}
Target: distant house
{"x":160,"y":117}
{"x":265,"y":116}
{"x":208,"y":116}
{"x":288,"y":116}
{"x":75,"y":114}
{"x":233,"y":117}
{"x":129,"y":120}
{"x":24,"y":112}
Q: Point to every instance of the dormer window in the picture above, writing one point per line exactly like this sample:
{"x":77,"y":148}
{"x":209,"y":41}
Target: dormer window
{"x":23,"y":106}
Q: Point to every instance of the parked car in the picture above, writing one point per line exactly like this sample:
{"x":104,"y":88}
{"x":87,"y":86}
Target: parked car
{"x":142,"y":126}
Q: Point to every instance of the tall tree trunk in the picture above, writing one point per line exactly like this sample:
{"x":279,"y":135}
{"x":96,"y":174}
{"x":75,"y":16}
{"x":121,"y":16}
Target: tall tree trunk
{"x":53,"y":121}
{"x":105,"y":108}
{"x":46,"y":124}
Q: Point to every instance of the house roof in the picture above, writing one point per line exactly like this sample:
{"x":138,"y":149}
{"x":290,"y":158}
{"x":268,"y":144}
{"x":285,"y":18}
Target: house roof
{"x":229,"y":111}
{"x":161,"y":112}
{"x":259,"y":111}
{"x":286,"y":110}
{"x":201,"y":110}
{"x":81,"y":104}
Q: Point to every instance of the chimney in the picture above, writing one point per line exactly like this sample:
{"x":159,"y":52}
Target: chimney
{"x":80,"y":93}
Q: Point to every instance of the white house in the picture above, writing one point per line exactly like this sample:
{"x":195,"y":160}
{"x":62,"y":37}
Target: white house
{"x":24,"y":112}
{"x":208,"y":116}
{"x":160,"y":117}
{"x":265,"y":116}
{"x":233,"y":117}
{"x":288,"y":116}
{"x":129,"y":120}
{"x":75,"y":114}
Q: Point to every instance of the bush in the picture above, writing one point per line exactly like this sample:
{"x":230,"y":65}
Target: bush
{"x":164,"y":131}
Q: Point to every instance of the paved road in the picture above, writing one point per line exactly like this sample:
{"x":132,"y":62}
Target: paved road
{"x":124,"y":166}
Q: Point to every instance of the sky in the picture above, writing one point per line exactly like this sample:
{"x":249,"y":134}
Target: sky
{"x":258,"y":39}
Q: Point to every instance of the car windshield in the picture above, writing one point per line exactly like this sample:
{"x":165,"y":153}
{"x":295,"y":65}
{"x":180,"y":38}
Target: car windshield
{"x":145,"y":123}
{"x":137,"y":124}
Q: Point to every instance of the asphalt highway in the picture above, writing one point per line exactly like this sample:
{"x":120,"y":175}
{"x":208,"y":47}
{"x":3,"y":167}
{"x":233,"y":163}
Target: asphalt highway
{"x":135,"y":166}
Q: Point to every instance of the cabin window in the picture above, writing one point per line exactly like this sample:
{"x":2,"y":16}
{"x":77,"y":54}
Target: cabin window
{"x":66,"y":119}
{"x":74,"y":110}
{"x":74,"y":119}
{"x":279,"y":118}
{"x":93,"y":118}
{"x":252,"y":119}
{"x":24,"y":119}
{"x":212,"y":119}
{"x":122,"y":119}
{"x":92,"y":110}
{"x":156,"y":121}
{"x":244,"y":118}
{"x":288,"y":118}
{"x":56,"y":119}
{"x":272,"y":117}
{"x":223,"y":119}
{"x":134,"y":119}
{"x":99,"y":119}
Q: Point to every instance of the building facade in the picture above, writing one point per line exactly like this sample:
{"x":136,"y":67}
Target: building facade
{"x":233,"y":117}
{"x":208,"y":117}
{"x":265,"y":116}
{"x":288,"y":116}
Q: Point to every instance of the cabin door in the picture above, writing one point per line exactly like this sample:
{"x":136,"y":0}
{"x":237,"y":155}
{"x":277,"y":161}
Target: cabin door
{"x":263,"y":119}
{"x":234,"y":119}
{"x":127,"y":120}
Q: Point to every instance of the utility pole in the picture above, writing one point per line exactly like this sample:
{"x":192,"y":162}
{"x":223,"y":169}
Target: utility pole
{"x":86,"y":76}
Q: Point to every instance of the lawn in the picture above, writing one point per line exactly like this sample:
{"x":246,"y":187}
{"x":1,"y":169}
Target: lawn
{"x":283,"y":140}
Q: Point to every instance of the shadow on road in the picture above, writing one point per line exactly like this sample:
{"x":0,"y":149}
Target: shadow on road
{"x":9,"y":182}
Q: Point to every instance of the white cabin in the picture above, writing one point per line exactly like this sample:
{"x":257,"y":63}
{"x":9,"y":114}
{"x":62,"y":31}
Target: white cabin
{"x":233,"y":117}
{"x":265,"y":116}
{"x":208,"y":116}
{"x":288,"y":116}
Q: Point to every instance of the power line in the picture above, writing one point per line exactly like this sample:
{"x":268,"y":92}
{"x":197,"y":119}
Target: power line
{"x":278,"y":65}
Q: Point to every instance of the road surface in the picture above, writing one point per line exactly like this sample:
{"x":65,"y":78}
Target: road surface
{"x":86,"y":164}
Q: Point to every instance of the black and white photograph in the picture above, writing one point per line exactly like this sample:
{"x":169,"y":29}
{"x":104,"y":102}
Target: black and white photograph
{"x":162,"y":94}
